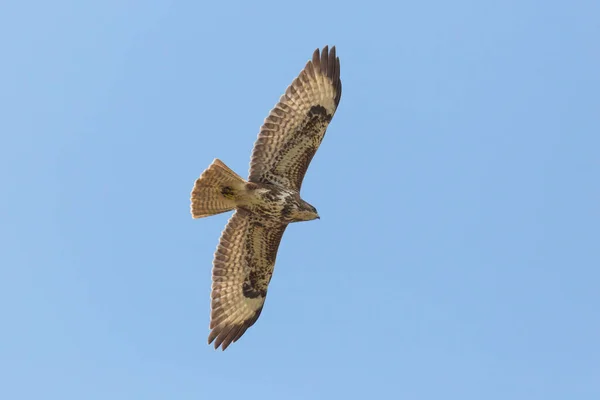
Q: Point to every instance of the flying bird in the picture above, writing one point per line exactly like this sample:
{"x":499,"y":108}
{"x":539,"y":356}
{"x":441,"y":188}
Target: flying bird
{"x":268,"y":200}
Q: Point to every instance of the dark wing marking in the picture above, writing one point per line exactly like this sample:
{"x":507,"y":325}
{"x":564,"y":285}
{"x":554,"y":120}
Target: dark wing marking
{"x":293,"y":131}
{"x":242,"y":269}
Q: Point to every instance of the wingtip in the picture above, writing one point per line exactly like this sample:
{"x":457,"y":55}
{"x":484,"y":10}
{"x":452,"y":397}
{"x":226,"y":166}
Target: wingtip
{"x":223,"y":337}
{"x":327,"y":63}
{"x":316,"y":55}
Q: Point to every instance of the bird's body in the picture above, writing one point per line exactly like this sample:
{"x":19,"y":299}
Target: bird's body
{"x":274,"y":202}
{"x":269,"y":200}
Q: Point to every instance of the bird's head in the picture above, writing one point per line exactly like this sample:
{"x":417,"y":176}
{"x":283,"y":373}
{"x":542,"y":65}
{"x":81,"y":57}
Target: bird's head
{"x":305,"y":212}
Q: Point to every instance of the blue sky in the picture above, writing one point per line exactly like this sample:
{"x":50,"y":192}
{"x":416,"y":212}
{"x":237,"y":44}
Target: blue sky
{"x":457,"y":255}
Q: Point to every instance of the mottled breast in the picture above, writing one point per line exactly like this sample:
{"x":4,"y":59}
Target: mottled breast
{"x":271,"y":201}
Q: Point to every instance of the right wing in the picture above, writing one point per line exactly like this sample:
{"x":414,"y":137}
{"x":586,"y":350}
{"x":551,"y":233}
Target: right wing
{"x":294,"y":129}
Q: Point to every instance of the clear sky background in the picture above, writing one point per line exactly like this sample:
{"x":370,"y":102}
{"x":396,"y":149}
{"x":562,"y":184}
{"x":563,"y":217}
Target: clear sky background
{"x":458,"y":251}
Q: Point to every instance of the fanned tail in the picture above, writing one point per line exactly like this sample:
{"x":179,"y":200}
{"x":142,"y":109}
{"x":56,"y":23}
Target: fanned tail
{"x":216,"y":190}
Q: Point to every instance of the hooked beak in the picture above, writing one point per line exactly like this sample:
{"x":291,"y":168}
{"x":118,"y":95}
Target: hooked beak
{"x":318,"y":216}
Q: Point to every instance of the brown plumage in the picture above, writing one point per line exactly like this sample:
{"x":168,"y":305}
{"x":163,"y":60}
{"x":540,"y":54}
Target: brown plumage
{"x":269,"y":200}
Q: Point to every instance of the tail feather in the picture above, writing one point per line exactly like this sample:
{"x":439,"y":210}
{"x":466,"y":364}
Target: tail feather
{"x":215,"y":191}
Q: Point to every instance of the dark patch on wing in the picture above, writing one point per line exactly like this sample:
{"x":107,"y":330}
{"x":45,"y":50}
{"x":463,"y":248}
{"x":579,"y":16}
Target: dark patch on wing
{"x":250,"y":291}
{"x":320,"y":111}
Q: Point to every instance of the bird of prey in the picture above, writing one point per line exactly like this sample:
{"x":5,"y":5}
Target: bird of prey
{"x":268,"y":200}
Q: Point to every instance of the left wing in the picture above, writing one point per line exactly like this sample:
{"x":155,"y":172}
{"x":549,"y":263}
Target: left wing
{"x":294,"y":129}
{"x":242,"y":269}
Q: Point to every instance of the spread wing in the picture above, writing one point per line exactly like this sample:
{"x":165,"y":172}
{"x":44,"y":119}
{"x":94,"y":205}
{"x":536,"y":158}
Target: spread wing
{"x":242,"y":269}
{"x":293,"y":131}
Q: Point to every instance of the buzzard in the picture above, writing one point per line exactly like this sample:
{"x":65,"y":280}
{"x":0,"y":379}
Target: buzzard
{"x":269,"y":200}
